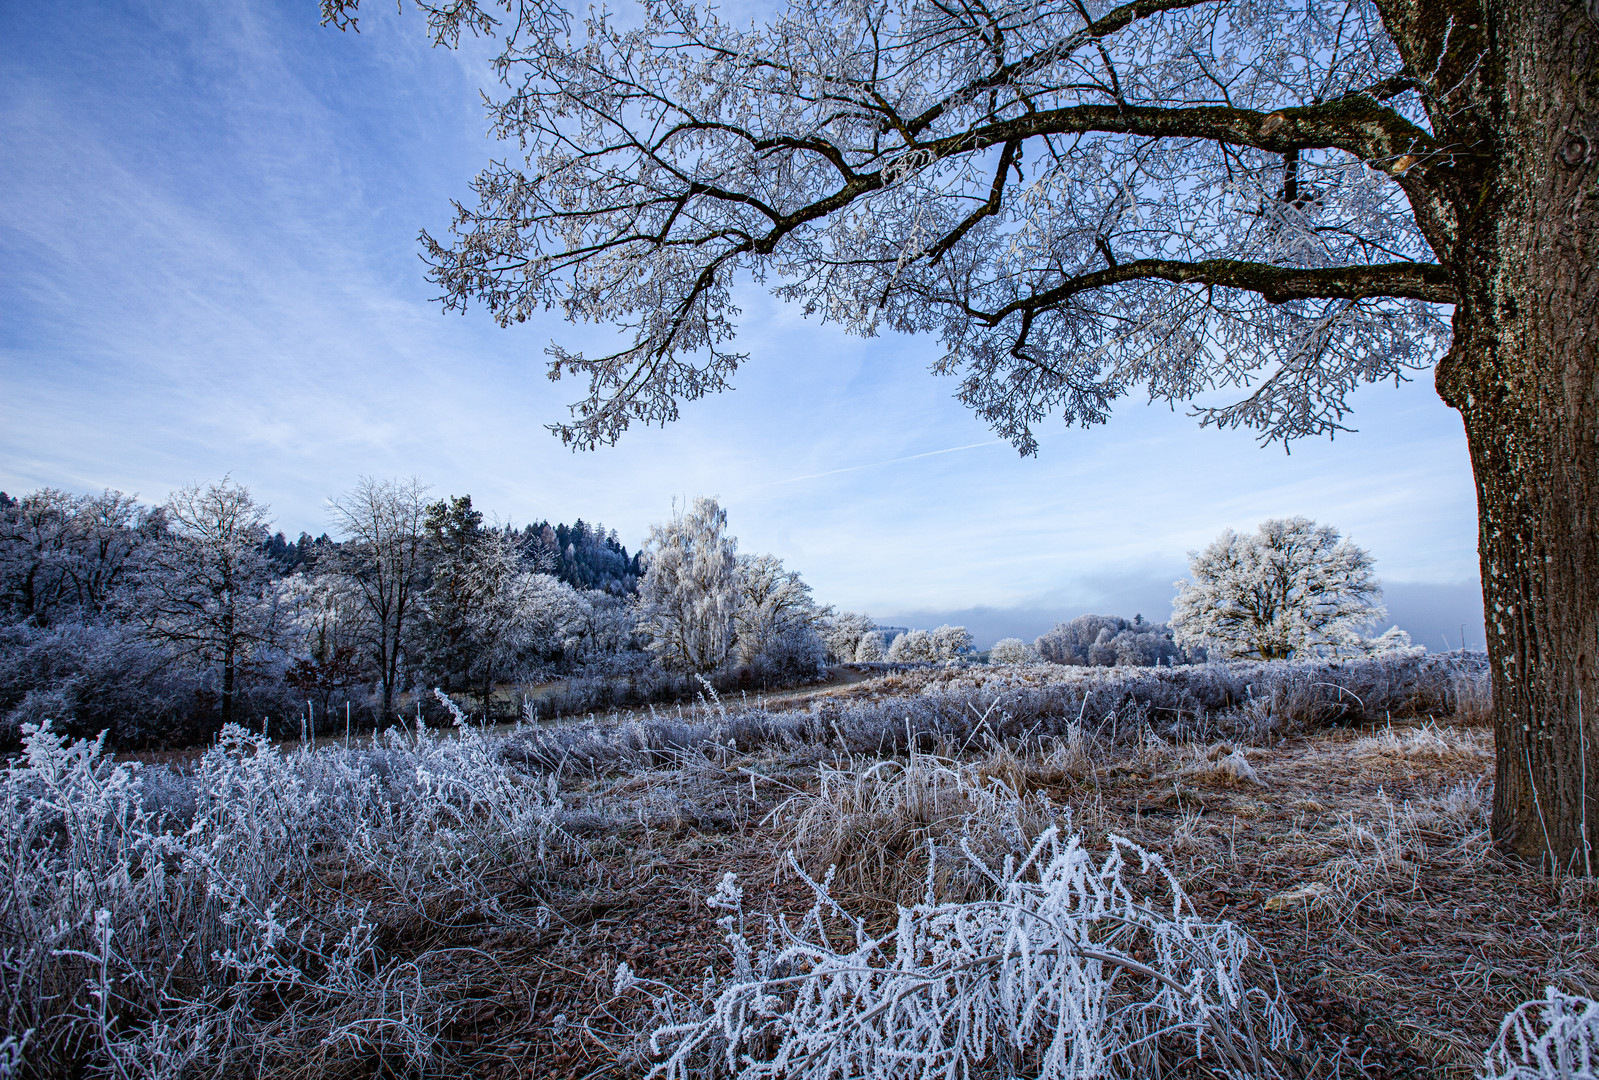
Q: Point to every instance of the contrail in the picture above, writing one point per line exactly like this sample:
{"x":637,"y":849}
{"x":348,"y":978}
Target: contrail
{"x":877,"y":464}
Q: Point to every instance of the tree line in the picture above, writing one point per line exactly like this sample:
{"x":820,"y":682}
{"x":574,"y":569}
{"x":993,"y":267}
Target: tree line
{"x":159,"y":624}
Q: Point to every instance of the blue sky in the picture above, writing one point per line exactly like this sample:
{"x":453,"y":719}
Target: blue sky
{"x":208,"y":220}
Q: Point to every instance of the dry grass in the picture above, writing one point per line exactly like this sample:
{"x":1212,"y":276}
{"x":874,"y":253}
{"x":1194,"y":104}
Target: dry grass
{"x":1357,"y":856}
{"x":876,"y":825}
{"x":1408,"y":941}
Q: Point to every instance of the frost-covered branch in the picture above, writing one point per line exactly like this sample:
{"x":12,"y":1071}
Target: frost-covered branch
{"x":1165,"y":196}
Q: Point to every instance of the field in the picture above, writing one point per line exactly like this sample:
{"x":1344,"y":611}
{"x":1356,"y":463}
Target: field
{"x":425,"y":905}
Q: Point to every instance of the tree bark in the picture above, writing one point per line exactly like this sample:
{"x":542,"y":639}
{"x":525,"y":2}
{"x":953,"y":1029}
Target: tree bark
{"x":1522,"y":373}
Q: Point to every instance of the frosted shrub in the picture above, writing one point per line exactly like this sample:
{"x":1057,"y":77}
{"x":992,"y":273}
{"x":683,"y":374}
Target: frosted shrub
{"x":1556,"y":1038}
{"x":940,"y":643}
{"x":1013,"y":651}
{"x":1069,"y":971}
{"x":154,"y":924}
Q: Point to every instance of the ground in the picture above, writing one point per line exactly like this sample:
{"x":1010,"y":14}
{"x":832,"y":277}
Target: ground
{"x":1357,"y":857}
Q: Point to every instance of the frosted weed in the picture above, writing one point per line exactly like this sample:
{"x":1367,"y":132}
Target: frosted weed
{"x":1068,"y":970}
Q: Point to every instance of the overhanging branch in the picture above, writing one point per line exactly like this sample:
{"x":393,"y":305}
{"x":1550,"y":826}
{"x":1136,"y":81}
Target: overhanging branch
{"x":1276,"y":284}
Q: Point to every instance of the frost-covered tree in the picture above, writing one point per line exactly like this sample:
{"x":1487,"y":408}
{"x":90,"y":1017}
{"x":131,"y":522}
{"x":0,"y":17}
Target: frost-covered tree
{"x":1292,"y":588}
{"x":843,"y":634}
{"x":512,"y":614}
{"x":206,"y":588}
{"x":68,"y":556}
{"x":914,"y":646}
{"x":384,"y":555}
{"x":1280,"y":198}
{"x":486,"y":613}
{"x":527,"y":616}
{"x":951,"y":642}
{"x":456,"y":538}
{"x":329,"y":621}
{"x":608,"y":629}
{"x":690,"y":597}
{"x":1012,"y":651}
{"x":870,"y":650}
{"x":941,"y":643}
{"x":35,"y":535}
{"x":107,"y":533}
{"x":777,"y":618}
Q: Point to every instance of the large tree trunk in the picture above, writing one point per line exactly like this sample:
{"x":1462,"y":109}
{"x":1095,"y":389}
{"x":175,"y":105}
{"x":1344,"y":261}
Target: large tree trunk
{"x":1523,"y":375}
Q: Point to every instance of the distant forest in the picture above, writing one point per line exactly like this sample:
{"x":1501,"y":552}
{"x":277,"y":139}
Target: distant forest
{"x":159,"y":624}
{"x":581,"y":555}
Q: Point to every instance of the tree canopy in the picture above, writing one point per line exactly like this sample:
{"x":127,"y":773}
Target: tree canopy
{"x":1165,"y":195}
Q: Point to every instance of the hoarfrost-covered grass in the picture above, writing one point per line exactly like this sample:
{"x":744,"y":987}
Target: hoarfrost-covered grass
{"x":877,"y":828}
{"x":979,"y":706}
{"x":1222,"y":763}
{"x":164,"y":924}
{"x":1554,"y":1038}
{"x":458,"y":904}
{"x":1070,"y":969}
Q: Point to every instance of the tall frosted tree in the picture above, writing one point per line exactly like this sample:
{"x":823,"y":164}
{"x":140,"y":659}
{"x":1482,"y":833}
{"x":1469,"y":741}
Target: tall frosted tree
{"x":205,"y":586}
{"x":385,"y":557}
{"x":1291,"y":589}
{"x":844,"y":633}
{"x":690,"y":597}
{"x":456,"y":539}
{"x":1083,"y":199}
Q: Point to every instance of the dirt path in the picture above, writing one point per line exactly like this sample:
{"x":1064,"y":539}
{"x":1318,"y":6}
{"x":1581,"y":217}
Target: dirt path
{"x":839,"y":678}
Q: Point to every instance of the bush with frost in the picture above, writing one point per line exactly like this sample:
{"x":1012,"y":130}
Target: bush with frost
{"x":1071,"y":970}
{"x":1552,"y":1038}
{"x":88,"y":678}
{"x":1013,"y":651}
{"x":154,"y":923}
{"x":1111,"y":641}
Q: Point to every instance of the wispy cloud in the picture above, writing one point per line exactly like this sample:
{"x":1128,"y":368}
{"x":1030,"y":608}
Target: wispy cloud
{"x":880,"y":464}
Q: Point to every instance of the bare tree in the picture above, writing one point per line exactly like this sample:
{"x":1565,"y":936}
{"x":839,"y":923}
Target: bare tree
{"x":1279,"y":197}
{"x":385,"y":558}
{"x":205,"y":587}
{"x":108,"y":531}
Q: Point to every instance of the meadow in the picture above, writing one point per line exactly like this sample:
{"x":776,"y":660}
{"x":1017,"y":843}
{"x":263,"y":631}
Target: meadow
{"x":1231,"y":869}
